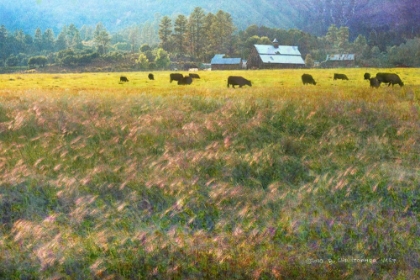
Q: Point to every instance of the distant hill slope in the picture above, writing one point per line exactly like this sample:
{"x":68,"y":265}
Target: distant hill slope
{"x":308,"y":15}
{"x":117,"y":14}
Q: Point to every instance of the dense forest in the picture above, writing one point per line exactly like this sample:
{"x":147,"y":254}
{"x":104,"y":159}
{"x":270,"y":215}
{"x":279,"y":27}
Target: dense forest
{"x":189,"y":41}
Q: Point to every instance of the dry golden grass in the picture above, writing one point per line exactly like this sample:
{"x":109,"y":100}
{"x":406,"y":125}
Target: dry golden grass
{"x":147,"y":179}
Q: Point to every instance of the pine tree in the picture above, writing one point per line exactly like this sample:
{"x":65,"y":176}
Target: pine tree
{"x":179,"y":35}
{"x":38,"y":40}
{"x":196,"y":32}
{"x":101,"y":38}
{"x":48,"y":40}
{"x":3,"y":44}
{"x":165,"y":32}
{"x":61,"y":43}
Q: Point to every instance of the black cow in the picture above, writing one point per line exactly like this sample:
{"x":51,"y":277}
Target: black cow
{"x":389,"y":78}
{"x":194,"y":76}
{"x":123,"y":79}
{"x":175,"y":77}
{"x":308,"y":79}
{"x":340,"y":76}
{"x":185,"y":81}
{"x":366,"y":76}
{"x":151,"y":76}
{"x":238,"y":81}
{"x":374,"y":82}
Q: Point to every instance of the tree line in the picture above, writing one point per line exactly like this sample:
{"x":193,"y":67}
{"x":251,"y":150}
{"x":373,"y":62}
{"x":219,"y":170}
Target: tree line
{"x":194,"y":39}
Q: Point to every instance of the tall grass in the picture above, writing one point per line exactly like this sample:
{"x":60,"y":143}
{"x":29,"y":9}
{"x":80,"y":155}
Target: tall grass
{"x":148,"y":179}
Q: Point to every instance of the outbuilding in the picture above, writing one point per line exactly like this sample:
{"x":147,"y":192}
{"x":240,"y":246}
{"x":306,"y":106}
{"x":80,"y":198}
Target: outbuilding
{"x":275,"y":56}
{"x":339,"y":60}
{"x":220,"y":62}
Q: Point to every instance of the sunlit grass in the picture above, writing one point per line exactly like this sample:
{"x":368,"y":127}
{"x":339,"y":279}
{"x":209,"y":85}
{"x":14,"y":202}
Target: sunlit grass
{"x":150,"y":179}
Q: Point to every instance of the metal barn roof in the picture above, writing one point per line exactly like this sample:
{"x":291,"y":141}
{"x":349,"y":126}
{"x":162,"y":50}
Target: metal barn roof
{"x":281,"y":54}
{"x":282,"y":50}
{"x":340,"y":57}
{"x":220,"y":59}
{"x":283,"y":59}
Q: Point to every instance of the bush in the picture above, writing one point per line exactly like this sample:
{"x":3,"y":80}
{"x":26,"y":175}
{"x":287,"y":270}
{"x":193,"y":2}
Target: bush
{"x":40,"y":61}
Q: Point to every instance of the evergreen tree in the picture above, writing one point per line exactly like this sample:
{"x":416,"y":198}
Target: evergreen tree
{"x":196,"y":32}
{"x":165,"y":32}
{"x":86,"y":33}
{"x":343,"y":37}
{"x":38,"y":40}
{"x":179,"y":35}
{"x":76,"y":42}
{"x":331,"y":36}
{"x":3,"y":44}
{"x":223,"y":29}
{"x":101,"y":38}
{"x":48,"y":40}
{"x":134,"y":38}
{"x":71,"y":32}
{"x":61,"y":43}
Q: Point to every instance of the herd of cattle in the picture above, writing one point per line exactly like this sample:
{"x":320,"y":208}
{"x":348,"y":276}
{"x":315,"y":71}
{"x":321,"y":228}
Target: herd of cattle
{"x":386,"y":78}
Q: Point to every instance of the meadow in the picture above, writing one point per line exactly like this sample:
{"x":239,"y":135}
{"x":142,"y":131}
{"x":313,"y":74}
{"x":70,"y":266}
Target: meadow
{"x":151,"y":180}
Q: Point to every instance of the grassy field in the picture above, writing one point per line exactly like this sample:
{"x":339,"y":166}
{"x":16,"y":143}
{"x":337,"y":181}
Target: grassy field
{"x":148,"y":179}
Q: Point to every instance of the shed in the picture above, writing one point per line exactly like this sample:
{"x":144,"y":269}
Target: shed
{"x":339,"y":60}
{"x":275,"y":56}
{"x":220,"y":62}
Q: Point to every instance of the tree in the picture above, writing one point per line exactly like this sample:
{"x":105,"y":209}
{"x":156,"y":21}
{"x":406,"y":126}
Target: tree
{"x":222,"y":29}
{"x":41,"y":61}
{"x":162,"y":59}
{"x":142,"y":61}
{"x":332,"y":36}
{"x":86,"y":33}
{"x":76,"y":42}
{"x":360,"y":46}
{"x":38,"y":39}
{"x":3,"y":44}
{"x":101,"y":38}
{"x":309,"y":62}
{"x":343,"y":37}
{"x":179,"y":35}
{"x":48,"y":40}
{"x":134,"y":37}
{"x":61,"y":43}
{"x":196,"y":32}
{"x":165,"y":32}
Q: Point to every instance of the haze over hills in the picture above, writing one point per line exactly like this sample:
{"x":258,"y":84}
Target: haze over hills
{"x":313,"y":16}
{"x":116,"y":14}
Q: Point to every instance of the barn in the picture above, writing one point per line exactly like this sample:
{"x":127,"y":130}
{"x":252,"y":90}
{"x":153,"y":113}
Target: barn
{"x":220,"y":62}
{"x":275,"y":56}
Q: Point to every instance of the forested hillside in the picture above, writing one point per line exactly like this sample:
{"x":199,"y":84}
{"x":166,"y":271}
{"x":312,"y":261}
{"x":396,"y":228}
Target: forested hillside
{"x":314,"y":17}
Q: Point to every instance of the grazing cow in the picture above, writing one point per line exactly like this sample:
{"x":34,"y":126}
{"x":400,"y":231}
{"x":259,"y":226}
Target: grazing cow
{"x":340,"y":76}
{"x":238,"y":81}
{"x":308,"y":79}
{"x":389,"y":78}
{"x":185,"y":81}
{"x":175,"y":77}
{"x":194,"y":76}
{"x":367,"y":76}
{"x":374,"y":82}
{"x":151,"y":77}
{"x":123,"y":79}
